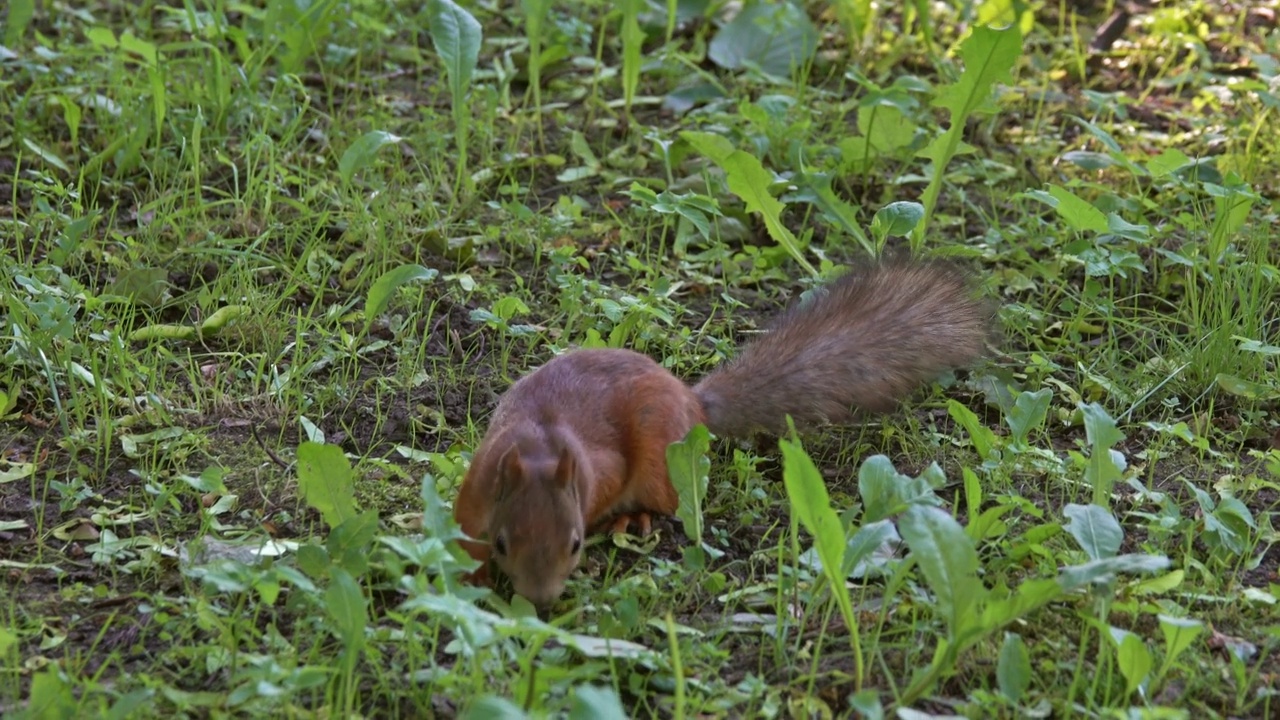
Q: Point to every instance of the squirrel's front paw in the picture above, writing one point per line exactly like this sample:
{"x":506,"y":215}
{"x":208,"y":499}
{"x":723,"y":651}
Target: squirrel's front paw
{"x":640,"y":521}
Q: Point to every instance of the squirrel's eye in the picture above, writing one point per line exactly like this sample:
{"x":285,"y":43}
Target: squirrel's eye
{"x":577,"y":544}
{"x":500,"y":545}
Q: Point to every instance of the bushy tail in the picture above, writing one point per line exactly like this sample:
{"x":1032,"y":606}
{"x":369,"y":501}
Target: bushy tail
{"x":871,"y":338}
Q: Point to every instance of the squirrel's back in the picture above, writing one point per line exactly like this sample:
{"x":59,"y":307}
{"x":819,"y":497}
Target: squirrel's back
{"x":862,"y":342}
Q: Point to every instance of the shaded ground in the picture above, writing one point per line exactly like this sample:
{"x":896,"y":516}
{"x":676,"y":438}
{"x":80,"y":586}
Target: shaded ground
{"x":93,"y":614}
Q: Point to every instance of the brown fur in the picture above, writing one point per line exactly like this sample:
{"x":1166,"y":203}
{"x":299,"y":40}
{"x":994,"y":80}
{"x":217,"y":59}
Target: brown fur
{"x":582,"y":440}
{"x":869,"y":339}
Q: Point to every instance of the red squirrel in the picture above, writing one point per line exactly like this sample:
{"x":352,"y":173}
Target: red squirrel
{"x":579,"y":445}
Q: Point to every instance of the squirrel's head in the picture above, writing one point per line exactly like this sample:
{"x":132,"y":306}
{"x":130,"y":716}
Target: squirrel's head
{"x":537,"y":528}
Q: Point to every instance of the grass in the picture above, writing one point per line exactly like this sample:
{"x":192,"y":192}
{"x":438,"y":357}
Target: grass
{"x":268,"y":266}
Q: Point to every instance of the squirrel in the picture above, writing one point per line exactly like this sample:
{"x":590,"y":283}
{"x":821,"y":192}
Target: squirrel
{"x":579,"y":445}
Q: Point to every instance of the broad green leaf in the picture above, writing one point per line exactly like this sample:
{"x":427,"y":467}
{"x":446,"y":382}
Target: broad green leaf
{"x":51,"y":696}
{"x":607,"y":647}
{"x":1106,"y":466}
{"x":1078,"y":213}
{"x":139,"y":47}
{"x":776,"y":37}
{"x":1029,"y":597}
{"x":632,"y":45}
{"x":1100,"y":428}
{"x":869,"y":538}
{"x":810,"y":502}
{"x":885,"y":491}
{"x":456,"y":36}
{"x":814,"y":187}
{"x":885,"y":126}
{"x":1134,"y":661}
{"x":717,"y":148}
{"x":1231,"y":206}
{"x":347,"y":607}
{"x":947,"y":560}
{"x":896,"y":219}
{"x":218,"y":321}
{"x":687,"y":464}
{"x":1095,"y":528}
{"x":384,"y":288}
{"x":143,"y":285}
{"x":209,"y":481}
{"x":1244,"y":388}
{"x":1089,"y":160}
{"x":16,"y":471}
{"x":1013,"y":669}
{"x":1105,"y":570}
{"x":313,"y":560}
{"x":1179,"y":633}
{"x":101,"y":37}
{"x":348,"y":543}
{"x":326,"y":482}
{"x":19,"y":17}
{"x":592,"y":702}
{"x":1168,"y":162}
{"x":494,"y":708}
{"x":1028,"y":413}
{"x":361,"y":152}
{"x":437,"y":521}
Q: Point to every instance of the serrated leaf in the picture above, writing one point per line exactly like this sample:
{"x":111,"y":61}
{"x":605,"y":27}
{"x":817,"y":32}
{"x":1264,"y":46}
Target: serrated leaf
{"x":988,"y":56}
{"x":384,"y":288}
{"x":362,"y":152}
{"x":748,"y":179}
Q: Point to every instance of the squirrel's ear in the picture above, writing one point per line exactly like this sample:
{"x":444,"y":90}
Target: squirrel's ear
{"x":566,"y":468}
{"x":510,"y":470}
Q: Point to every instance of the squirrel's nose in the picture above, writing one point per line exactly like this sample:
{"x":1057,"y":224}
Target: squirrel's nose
{"x":541,"y":594}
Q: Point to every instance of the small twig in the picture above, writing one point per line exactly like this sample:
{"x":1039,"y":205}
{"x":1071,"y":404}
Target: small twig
{"x":253,"y":429}
{"x":1110,"y":31}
